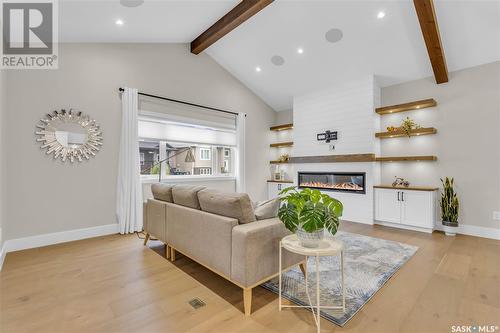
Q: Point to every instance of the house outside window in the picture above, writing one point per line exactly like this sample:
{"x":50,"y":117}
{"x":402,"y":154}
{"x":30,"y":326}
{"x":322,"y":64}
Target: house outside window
{"x":205,"y":154}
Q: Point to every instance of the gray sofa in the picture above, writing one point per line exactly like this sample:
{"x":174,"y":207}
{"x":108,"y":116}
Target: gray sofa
{"x":219,"y":231}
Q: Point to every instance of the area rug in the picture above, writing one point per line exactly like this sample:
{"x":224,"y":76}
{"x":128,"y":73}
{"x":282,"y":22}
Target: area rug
{"x":368,"y":264}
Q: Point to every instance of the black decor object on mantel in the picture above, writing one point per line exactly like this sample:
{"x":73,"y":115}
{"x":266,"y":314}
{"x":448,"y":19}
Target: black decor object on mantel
{"x":351,"y":182}
{"x":327,"y":136}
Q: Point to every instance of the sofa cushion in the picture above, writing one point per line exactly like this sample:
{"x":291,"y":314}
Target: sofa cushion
{"x":235,"y":205}
{"x":267,"y":209}
{"x":162,"y":192}
{"x":187,"y":195}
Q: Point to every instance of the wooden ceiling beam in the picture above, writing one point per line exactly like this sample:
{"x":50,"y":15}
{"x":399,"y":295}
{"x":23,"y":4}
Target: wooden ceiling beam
{"x":430,"y":30}
{"x":239,"y":14}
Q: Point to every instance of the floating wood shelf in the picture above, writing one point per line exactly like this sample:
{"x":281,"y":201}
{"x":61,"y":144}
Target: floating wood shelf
{"x":400,"y":133}
{"x":412,"y":188}
{"x":406,"y":158}
{"x":281,"y":144}
{"x":334,"y":158}
{"x":355,"y":158}
{"x":283,"y":127}
{"x":425,"y":103}
{"x":281,"y":181}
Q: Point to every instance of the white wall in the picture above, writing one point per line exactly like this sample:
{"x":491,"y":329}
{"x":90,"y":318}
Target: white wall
{"x":48,"y":196}
{"x":348,"y":109}
{"x":284,"y":117}
{"x":3,"y":188}
{"x":467,"y":144}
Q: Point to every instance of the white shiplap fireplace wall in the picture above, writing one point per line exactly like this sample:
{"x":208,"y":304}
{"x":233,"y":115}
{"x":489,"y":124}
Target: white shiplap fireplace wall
{"x":348,"y":109}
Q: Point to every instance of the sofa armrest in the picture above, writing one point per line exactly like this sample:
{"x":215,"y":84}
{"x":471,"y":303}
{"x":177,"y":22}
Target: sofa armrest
{"x":156,"y":219}
{"x":255,"y":249}
{"x":202,"y":236}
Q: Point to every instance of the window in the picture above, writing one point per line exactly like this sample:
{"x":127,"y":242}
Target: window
{"x":149,"y":152}
{"x":203,"y":160}
{"x":185,"y":149}
{"x":205,"y":154}
{"x":203,"y":171}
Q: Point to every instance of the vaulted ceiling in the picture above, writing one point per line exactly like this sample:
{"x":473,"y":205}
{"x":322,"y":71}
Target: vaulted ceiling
{"x":392,"y":47}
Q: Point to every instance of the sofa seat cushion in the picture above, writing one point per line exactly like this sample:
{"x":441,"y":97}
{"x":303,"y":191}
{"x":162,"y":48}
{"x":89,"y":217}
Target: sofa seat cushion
{"x":162,"y":192}
{"x":187,"y":195}
{"x":235,"y":205}
{"x":267,"y":209}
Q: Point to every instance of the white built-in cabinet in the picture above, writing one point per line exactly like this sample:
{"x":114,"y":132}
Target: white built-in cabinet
{"x":409,"y":209}
{"x":274,"y":188}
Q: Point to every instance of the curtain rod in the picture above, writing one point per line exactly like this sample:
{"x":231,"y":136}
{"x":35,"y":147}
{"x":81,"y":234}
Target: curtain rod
{"x":182,"y":102}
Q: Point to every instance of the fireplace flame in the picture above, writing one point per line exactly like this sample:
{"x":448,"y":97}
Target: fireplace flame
{"x":339,"y":186}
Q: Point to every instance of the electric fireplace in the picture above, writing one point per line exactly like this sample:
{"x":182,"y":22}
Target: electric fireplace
{"x":352,"y":182}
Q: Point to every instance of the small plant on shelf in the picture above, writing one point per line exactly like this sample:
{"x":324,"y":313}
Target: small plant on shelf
{"x":449,"y":206}
{"x":408,"y":125}
{"x":308,"y":212}
{"x":283,"y":158}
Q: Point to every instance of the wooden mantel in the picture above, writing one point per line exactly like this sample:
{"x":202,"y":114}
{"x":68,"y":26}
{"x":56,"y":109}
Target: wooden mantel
{"x":355,"y":158}
{"x":333,"y":158}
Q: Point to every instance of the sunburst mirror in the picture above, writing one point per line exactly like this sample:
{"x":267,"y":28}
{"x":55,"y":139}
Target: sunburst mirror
{"x":69,"y":135}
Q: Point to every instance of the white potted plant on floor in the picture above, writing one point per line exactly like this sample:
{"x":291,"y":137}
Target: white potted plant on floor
{"x":449,"y":207}
{"x":308,"y":213}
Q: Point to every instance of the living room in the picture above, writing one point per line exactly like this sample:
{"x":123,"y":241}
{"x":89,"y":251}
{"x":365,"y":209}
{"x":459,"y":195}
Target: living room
{"x":173,"y":165}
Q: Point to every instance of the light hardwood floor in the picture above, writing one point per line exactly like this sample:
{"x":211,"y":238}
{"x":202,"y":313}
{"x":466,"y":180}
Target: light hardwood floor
{"x":115,"y":284}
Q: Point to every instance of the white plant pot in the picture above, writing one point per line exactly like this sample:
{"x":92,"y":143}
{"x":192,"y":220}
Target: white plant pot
{"x":450,"y":229}
{"x":310,"y":239}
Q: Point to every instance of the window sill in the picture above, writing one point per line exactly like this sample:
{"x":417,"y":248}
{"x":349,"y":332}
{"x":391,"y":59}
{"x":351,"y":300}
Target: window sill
{"x":188,"y":178}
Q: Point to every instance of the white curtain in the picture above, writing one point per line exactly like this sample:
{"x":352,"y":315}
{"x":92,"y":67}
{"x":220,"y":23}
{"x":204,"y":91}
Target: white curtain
{"x":129,"y":190}
{"x":240,"y":160}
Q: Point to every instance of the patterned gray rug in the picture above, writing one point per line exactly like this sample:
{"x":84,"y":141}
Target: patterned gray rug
{"x":368,"y":264}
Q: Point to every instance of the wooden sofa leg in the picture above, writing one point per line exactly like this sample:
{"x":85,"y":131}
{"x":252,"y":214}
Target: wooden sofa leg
{"x":167,"y":251}
{"x":146,"y":239}
{"x":247,"y":301}
{"x":172,"y":254}
{"x":303,"y":267}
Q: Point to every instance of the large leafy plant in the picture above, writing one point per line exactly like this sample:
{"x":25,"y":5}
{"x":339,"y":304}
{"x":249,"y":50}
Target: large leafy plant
{"x":309,"y":210}
{"x":449,"y":202}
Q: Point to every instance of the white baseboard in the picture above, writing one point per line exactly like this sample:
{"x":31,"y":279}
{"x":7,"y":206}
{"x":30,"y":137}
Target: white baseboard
{"x":2,"y":255}
{"x":472,"y":230}
{"x":55,"y":238}
{"x":402,"y":226}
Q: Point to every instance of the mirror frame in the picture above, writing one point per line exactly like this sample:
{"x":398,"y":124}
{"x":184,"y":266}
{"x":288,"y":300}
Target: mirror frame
{"x":47,"y":136}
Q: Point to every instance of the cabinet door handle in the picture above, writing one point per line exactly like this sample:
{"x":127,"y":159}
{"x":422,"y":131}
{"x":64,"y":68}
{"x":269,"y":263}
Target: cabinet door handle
{"x":398,"y":196}
{"x":279,"y":187}
{"x":402,"y":196}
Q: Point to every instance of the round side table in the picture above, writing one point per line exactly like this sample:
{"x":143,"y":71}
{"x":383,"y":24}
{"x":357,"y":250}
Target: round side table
{"x":327,"y":247}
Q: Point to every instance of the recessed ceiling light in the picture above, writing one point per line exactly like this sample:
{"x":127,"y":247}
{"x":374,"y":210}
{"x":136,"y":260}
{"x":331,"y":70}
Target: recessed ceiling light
{"x":131,"y":3}
{"x":277,"y":60}
{"x":380,"y":15}
{"x":258,"y":69}
{"x":300,"y":50}
{"x":119,"y":22}
{"x":334,"y":35}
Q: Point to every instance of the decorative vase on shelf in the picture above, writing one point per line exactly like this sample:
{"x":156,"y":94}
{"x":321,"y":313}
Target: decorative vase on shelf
{"x":308,"y":213}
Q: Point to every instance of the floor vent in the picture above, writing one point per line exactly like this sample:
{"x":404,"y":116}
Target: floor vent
{"x":196,"y":303}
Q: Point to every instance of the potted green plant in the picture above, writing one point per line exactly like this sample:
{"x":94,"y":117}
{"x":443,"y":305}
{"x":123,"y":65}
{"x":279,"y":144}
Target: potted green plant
{"x":449,"y":207}
{"x":308,"y":213}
